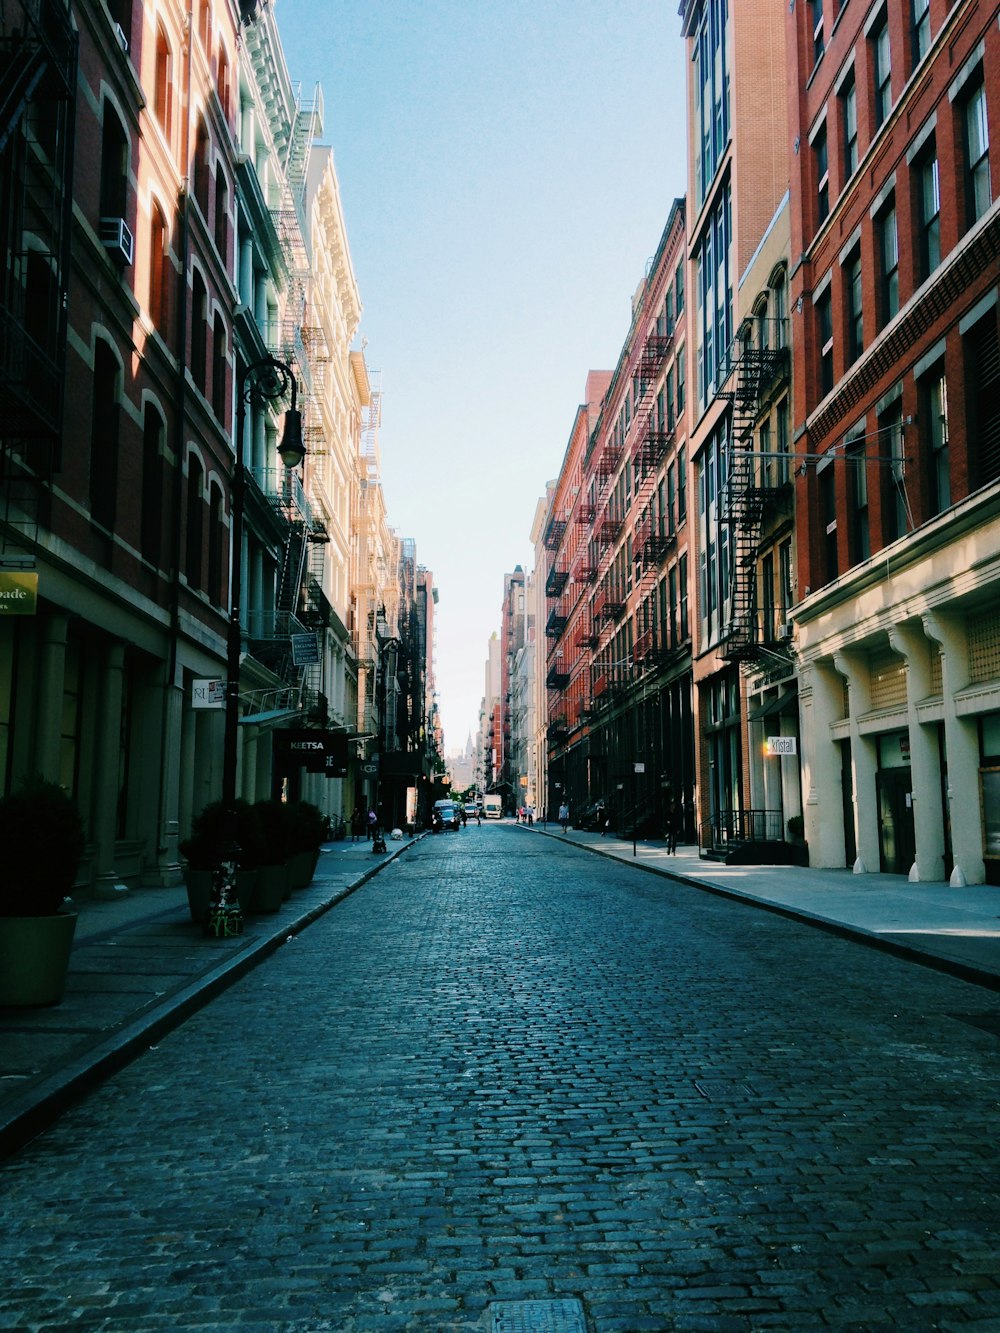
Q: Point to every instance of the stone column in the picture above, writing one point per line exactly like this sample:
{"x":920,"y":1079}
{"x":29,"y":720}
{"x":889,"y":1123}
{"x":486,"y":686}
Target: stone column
{"x":925,"y":765}
{"x":821,"y":703}
{"x":864,"y":764}
{"x":49,"y":699}
{"x":172,"y":794}
{"x":961,"y":741}
{"x":107,"y":766}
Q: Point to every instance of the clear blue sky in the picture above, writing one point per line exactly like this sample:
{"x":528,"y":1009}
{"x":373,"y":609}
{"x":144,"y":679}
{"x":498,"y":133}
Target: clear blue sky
{"x":506,"y":170}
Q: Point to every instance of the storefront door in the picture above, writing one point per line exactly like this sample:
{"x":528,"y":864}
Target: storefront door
{"x":897,"y":841}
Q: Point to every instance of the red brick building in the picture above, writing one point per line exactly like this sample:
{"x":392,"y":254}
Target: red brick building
{"x":896,"y":229}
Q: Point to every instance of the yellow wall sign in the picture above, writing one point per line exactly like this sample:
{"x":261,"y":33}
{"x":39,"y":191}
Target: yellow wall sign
{"x":18,"y":593}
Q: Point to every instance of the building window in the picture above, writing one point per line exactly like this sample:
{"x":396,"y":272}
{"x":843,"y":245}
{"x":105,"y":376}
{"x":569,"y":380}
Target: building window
{"x":104,"y":431}
{"x":202,"y":172}
{"x":681,"y":485}
{"x":672,"y":612}
{"x":714,"y":296}
{"x":977,"y":155}
{"x":849,"y":124}
{"x":982,"y":388}
{"x":671,"y":495}
{"x":816,"y":21}
{"x":895,"y":507}
{"x":882,"y":72}
{"x":920,"y":18}
{"x":199,"y":331}
{"x":779,"y":304}
{"x":859,"y":543}
{"x":824,"y":332}
{"x":219,"y":368}
{"x":163,"y":86}
{"x":151,"y":533}
{"x":215,"y":535}
{"x":224,"y":82}
{"x":934,"y":416}
{"x":853,"y":307}
{"x":711,"y":92}
{"x":679,"y":288}
{"x":679,"y":366}
{"x":683,"y":593}
{"x":929,"y":212}
{"x":221,"y":211}
{"x":784,"y":455}
{"x":828,"y":520}
{"x":114,"y":166}
{"x":785,"y":577}
{"x":159,"y":268}
{"x":766,"y":604}
{"x":821,"y":160}
{"x":193,"y":515}
{"x":888,"y":254}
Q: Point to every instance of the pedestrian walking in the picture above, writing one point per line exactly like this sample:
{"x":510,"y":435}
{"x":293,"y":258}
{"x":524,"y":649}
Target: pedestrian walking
{"x":372,"y":823}
{"x":564,"y":816}
{"x":602,"y":818}
{"x":529,"y":812}
{"x":673,"y":826}
{"x":357,"y":824}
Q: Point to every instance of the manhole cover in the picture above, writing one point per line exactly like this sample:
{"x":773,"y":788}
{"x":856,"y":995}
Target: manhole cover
{"x":565,"y":1316}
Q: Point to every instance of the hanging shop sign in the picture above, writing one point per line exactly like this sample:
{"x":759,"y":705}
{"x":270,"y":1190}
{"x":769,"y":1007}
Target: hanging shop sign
{"x":305,"y":649}
{"x":208,"y":694}
{"x":18,"y":593}
{"x":780,"y":745}
{"x":315,"y":751}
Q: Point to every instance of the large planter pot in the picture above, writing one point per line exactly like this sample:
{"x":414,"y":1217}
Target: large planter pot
{"x":302,"y":867}
{"x":34,"y":956}
{"x":199,"y":891}
{"x":272,"y":888}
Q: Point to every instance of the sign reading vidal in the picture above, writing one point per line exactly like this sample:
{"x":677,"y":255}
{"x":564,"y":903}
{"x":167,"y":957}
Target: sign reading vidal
{"x":315,"y":751}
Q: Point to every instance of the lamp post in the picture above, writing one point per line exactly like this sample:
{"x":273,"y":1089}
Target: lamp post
{"x":261,"y":382}
{"x":383,"y":729}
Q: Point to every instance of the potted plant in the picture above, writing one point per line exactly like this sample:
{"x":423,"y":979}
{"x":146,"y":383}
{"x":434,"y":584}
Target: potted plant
{"x":202,"y":850}
{"x":41,"y":833}
{"x":273,"y":882}
{"x":307,"y":833}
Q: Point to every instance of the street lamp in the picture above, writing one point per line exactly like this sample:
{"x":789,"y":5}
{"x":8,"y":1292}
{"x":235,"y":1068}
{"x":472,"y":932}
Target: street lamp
{"x":261,"y":382}
{"x":383,"y":723}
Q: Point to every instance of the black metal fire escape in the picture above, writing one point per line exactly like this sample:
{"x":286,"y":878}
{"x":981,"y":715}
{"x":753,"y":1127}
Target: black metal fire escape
{"x":38,"y":64}
{"x":752,"y":373}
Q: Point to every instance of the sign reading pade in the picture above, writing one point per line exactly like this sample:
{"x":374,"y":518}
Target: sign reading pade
{"x":315,"y":751}
{"x":18,"y":593}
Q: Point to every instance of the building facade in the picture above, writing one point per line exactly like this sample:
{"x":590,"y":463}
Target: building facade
{"x":897,"y":433}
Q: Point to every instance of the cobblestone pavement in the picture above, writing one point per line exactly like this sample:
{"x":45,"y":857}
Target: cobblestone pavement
{"x":508,"y":1071}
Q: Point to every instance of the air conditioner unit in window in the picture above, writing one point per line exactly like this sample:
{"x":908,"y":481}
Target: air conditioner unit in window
{"x":785,"y":630}
{"x":117,"y":240}
{"x":122,"y":39}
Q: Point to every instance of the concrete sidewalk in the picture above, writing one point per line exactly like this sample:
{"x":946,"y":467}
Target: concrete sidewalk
{"x":954,"y":930}
{"x":139,"y":967}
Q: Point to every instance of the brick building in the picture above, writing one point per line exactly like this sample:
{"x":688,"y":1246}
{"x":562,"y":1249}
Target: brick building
{"x":619,"y":686}
{"x":897,"y":432}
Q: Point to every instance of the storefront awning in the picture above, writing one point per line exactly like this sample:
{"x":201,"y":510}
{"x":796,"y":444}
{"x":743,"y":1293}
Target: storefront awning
{"x":782,"y":702}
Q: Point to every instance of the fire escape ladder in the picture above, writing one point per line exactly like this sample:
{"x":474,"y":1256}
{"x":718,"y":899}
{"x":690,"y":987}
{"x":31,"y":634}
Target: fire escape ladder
{"x":293,"y":566}
{"x":743,"y":502}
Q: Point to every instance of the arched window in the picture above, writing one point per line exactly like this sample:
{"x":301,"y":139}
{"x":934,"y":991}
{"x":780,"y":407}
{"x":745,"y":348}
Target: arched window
{"x":121,"y":18}
{"x":163,"y":93}
{"x":105,"y":417}
{"x":202,"y":158}
{"x":159,"y":268}
{"x":224,"y":82}
{"x":221,"y":209}
{"x":205,"y":24}
{"x":219,"y":368}
{"x":215,"y":532}
{"x":194,"y":510}
{"x":199,"y":331}
{"x":151,"y":535}
{"x":114,"y":166}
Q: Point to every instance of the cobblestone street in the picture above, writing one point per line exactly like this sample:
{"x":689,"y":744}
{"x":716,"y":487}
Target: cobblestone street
{"x":506,"y":1070}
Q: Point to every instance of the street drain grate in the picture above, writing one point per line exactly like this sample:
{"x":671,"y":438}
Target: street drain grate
{"x":724,"y":1089}
{"x":563,"y":1316}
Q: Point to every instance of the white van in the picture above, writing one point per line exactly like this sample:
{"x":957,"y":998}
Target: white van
{"x":492,"y":807}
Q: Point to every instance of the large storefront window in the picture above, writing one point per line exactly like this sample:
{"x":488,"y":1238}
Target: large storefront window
{"x":722,"y":728}
{"x":989,"y":778}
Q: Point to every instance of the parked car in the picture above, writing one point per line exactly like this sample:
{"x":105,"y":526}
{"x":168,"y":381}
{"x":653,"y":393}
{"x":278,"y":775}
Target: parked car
{"x":471,"y":809}
{"x":449,"y":813}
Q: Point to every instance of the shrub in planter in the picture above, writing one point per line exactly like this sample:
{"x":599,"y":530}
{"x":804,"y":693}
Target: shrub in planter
{"x":41,"y":833}
{"x":308,"y":832}
{"x":202,"y":850}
